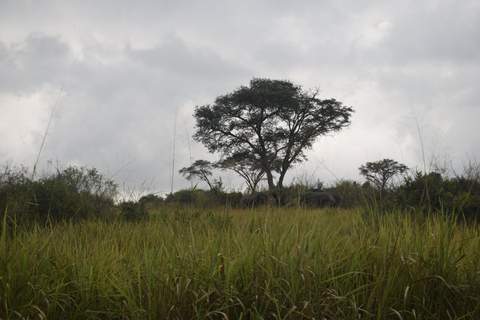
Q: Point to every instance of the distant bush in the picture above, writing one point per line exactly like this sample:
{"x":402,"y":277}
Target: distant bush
{"x":204,"y":199}
{"x":420,"y":190}
{"x":293,"y":193}
{"x":460,"y":194}
{"x":73,"y":193}
{"x":349,"y":193}
{"x":352,"y":194}
{"x":134,"y":211}
{"x":231,"y":199}
{"x":184,"y":197}
{"x":15,"y":189}
{"x":152,"y":202}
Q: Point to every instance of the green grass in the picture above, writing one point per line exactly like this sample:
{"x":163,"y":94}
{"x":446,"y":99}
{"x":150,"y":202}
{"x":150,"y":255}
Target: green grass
{"x":266,"y":263}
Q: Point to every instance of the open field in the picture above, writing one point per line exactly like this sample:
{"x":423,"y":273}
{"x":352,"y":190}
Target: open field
{"x":267,"y":263}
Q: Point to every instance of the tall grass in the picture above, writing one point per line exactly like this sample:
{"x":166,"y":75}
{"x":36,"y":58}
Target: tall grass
{"x":267,"y":263}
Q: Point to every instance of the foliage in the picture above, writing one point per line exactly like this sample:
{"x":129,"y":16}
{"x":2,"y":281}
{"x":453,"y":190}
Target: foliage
{"x":134,"y":211}
{"x":459,"y":195}
{"x":293,"y":193}
{"x":272,"y":120}
{"x":201,"y":169}
{"x":71,"y":193}
{"x":380,"y":173}
{"x":352,"y":194}
{"x":185,"y":196}
{"x":269,"y":263}
{"x":421,"y":190}
{"x":152,"y":201}
{"x":15,"y":189}
{"x":245,"y":165}
{"x":200,"y":198}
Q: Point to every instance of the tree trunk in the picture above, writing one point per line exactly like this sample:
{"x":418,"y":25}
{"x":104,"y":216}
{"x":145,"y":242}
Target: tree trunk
{"x":271,"y":185}
{"x":266,"y":166}
{"x":280,"y":180}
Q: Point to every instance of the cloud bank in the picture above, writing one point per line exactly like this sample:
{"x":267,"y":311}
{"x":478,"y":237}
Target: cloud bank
{"x":124,"y":78}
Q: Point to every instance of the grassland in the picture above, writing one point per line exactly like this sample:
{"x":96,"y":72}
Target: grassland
{"x":267,"y":263}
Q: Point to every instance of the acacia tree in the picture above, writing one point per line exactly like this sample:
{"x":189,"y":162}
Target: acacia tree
{"x":380,"y":172}
{"x":201,"y":169}
{"x":273,"y":120}
{"x":246,"y":166}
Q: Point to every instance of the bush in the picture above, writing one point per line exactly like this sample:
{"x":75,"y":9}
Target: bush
{"x":134,"y":211}
{"x":200,"y":198}
{"x":15,"y":189}
{"x":71,"y":194}
{"x":293,"y":193}
{"x":184,"y":197}
{"x":152,"y":202}
{"x":349,"y":193}
{"x":353,"y":194}
{"x":460,"y":194}
{"x":420,"y":190}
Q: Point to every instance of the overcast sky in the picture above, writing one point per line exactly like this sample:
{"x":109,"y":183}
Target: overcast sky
{"x":123,"y":77}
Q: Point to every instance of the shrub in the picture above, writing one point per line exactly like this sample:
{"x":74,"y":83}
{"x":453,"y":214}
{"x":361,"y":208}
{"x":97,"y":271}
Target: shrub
{"x":152,"y":201}
{"x":420,"y":190}
{"x":183,"y":197}
{"x":73,"y":193}
{"x":353,"y":194}
{"x":293,"y":193}
{"x":133,"y":211}
{"x":200,"y":198}
{"x":459,"y":194}
{"x":15,"y":186}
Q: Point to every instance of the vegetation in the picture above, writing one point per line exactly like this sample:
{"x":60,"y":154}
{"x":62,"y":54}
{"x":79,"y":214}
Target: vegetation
{"x":459,"y":195}
{"x":271,"y":124}
{"x":245,"y":166}
{"x":269,"y":263}
{"x":65,"y":194}
{"x":70,"y":250}
{"x":75,"y":254}
{"x":380,"y":173}
{"x":201,"y":169}
{"x":202,"y":199}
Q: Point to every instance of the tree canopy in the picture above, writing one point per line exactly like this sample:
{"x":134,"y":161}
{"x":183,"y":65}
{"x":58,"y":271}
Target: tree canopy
{"x":380,"y":172}
{"x":201,"y":169}
{"x":244,"y":164}
{"x":274,"y":122}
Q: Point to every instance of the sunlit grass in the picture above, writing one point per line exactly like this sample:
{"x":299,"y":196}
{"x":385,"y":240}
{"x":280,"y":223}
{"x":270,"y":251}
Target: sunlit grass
{"x":244,"y":264}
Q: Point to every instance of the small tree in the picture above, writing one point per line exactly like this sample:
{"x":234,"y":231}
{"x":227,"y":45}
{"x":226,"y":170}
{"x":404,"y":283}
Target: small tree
{"x":379,"y":173}
{"x":246,"y":166}
{"x":201,"y":169}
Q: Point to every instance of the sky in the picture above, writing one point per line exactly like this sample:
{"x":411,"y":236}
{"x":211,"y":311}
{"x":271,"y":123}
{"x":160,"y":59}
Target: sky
{"x":113,"y":84}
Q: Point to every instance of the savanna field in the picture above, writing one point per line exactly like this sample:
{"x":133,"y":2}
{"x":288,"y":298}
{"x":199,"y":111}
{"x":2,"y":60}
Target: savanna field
{"x":404,"y":244}
{"x":226,"y":263}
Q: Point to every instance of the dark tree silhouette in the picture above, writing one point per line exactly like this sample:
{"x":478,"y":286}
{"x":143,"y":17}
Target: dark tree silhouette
{"x":246,"y":166}
{"x":273,"y":120}
{"x":201,"y":169}
{"x":380,"y":172}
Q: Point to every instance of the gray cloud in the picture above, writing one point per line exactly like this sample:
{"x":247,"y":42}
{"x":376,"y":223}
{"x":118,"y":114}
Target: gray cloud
{"x":129,"y":69}
{"x":181,"y":65}
{"x":37,"y":60}
{"x":436,"y":34}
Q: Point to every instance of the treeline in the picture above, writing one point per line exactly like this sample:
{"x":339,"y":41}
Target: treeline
{"x":78,"y":193}
{"x":417,"y":192}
